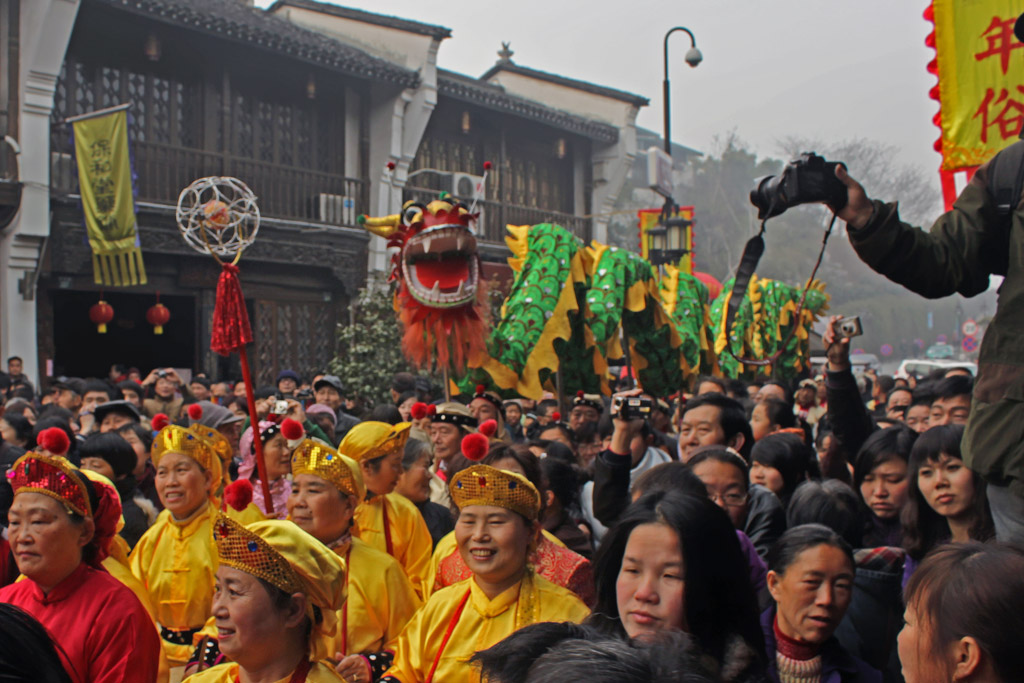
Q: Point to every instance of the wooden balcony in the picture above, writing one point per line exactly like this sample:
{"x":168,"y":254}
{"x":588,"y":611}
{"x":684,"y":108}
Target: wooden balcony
{"x":286,"y":192}
{"x":496,"y":215}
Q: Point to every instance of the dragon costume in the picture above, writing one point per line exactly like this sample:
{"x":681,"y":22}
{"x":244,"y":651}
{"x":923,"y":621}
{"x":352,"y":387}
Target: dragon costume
{"x":439,"y":299}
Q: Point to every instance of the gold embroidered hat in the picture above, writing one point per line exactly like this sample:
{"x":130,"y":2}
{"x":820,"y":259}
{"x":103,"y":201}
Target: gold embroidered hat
{"x":313,"y":457}
{"x":220,"y":445}
{"x":51,"y":476}
{"x":369,"y":440}
{"x":486,"y":485}
{"x":285,"y":556}
{"x":175,"y":439}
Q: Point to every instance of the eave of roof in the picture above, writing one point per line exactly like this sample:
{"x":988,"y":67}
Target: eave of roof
{"x":511,"y":67}
{"x":232,"y":20}
{"x":493,"y":96}
{"x":439,"y":32}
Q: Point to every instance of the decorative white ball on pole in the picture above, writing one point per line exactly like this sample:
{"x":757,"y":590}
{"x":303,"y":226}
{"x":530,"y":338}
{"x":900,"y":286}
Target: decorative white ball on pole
{"x":218,"y":216}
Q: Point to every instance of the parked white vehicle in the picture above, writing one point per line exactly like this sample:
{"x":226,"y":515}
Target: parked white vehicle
{"x":923,"y":366}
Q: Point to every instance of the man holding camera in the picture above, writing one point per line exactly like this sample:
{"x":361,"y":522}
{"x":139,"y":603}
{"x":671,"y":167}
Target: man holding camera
{"x":165,"y":383}
{"x":964,"y":247}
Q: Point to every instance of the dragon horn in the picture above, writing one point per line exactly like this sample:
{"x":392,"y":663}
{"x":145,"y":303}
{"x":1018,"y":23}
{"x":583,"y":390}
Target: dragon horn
{"x":384,"y":226}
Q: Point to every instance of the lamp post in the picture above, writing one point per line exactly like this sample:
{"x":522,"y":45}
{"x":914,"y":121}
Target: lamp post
{"x":668,"y":237}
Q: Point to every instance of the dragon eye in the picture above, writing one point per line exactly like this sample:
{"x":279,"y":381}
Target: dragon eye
{"x":411,"y":214}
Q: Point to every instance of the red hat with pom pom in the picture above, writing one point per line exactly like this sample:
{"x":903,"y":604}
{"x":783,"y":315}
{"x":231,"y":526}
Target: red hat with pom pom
{"x":54,"y":441}
{"x":51,"y":476}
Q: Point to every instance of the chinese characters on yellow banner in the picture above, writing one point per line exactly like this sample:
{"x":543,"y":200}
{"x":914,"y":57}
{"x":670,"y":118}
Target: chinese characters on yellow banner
{"x":980,"y":65}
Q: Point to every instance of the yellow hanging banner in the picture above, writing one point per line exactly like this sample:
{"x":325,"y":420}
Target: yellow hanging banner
{"x":105,"y":184}
{"x":980,"y":66}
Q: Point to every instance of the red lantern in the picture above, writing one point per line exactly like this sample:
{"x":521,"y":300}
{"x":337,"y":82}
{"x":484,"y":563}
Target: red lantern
{"x":100,"y":314}
{"x":157,"y":316}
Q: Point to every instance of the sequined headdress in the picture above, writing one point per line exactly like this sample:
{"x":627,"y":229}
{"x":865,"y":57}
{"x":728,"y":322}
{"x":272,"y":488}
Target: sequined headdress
{"x":245,"y":551}
{"x":313,"y":457}
{"x":369,"y":440}
{"x":175,"y":439}
{"x":219,"y":443}
{"x":51,"y":476}
{"x":486,"y":485}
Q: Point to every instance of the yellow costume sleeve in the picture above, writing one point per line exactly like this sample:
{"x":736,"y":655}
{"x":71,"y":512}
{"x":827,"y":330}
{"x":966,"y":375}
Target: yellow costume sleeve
{"x":176,"y":563}
{"x":410,"y":538}
{"x":483,"y":623}
{"x":228,"y":673}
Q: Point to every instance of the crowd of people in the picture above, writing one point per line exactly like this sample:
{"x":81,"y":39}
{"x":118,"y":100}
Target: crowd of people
{"x":749,"y":531}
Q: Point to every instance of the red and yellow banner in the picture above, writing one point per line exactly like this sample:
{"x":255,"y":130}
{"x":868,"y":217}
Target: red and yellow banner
{"x":649,"y":218}
{"x":108,"y":202}
{"x":980,"y":66}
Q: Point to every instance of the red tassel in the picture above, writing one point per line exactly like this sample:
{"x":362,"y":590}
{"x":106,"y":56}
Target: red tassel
{"x":231,"y":329}
{"x":55,"y":440}
{"x":488,"y":428}
{"x":474,"y":446}
{"x":292,"y":429}
{"x":238,"y":494}
{"x":419,"y":410}
{"x":556,"y":416}
{"x":160,"y":420}
{"x":195,"y":411}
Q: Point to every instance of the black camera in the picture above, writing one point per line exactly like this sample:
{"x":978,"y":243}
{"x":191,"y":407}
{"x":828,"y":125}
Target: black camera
{"x":162,"y":374}
{"x":632,"y":407}
{"x":803,"y":181}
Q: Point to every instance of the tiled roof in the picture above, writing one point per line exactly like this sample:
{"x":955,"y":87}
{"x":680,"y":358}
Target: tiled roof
{"x":233,"y":20}
{"x":399,"y":23}
{"x":511,"y":67}
{"x":493,"y":96}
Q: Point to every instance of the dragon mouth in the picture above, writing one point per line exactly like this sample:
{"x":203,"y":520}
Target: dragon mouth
{"x":441,"y":266}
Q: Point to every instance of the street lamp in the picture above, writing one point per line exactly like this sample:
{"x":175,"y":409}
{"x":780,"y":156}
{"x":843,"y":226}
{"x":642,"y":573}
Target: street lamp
{"x":693,"y":58}
{"x":668,"y":241}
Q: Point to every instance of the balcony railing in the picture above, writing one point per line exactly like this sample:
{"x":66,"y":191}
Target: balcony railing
{"x":494,"y":216}
{"x":283,"y":191}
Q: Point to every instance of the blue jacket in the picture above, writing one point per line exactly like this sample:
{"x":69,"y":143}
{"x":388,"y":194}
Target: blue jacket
{"x":836,"y":665}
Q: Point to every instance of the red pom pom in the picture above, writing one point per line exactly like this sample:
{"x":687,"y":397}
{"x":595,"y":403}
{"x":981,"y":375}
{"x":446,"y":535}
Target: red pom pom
{"x":54,"y":440}
{"x":579,"y":394}
{"x":292,"y":429}
{"x":391,"y":166}
{"x":195,"y":411}
{"x":480,"y":388}
{"x":238,"y":494}
{"x":419,"y":410}
{"x":556,"y":416}
{"x":474,"y":446}
{"x":160,"y":420}
{"x":488,"y":165}
{"x":431,"y":410}
{"x":488,"y":428}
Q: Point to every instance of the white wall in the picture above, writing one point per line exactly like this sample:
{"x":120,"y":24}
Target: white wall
{"x":45,"y":30}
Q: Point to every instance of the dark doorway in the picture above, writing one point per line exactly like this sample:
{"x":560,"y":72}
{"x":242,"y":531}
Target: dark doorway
{"x":81,"y":351}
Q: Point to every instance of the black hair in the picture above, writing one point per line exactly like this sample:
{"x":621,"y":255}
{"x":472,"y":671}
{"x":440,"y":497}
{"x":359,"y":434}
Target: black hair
{"x":787,"y":391}
{"x":131,"y":386}
{"x":522,"y":455}
{"x":923,"y":527}
{"x":779,"y":412}
{"x":561,"y":427}
{"x":265,"y":392}
{"x":556,"y":450}
{"x":718,"y":599}
{"x":732,"y":417}
{"x":565,"y":651}
{"x":201,"y":380}
{"x":405,"y":396}
{"x":21,"y":426}
{"x":93,"y":384}
{"x":884,"y":445}
{"x":724,"y":455}
{"x":668,"y":476}
{"x":28,"y":654}
{"x":385,"y":413}
{"x":829,"y":502}
{"x":49,"y":421}
{"x":562,"y":480}
{"x":414,"y":450}
{"x":547,"y":403}
{"x":954,"y":385}
{"x":804,"y":537}
{"x":145,"y":435}
{"x":402,"y":382}
{"x":885,"y":383}
{"x":717,"y":381}
{"x":112,"y":447}
{"x":588,"y":431}
{"x":794,"y":459}
{"x":13,"y":358}
{"x":605,"y":425}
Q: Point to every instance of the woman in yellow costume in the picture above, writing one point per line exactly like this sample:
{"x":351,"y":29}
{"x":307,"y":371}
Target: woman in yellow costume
{"x":496,"y":529}
{"x":278,"y":590}
{"x":176,"y":558}
{"x":385,"y":520}
{"x":326,"y":489}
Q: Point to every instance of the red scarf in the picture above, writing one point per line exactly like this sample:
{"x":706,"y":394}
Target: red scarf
{"x":790,"y":648}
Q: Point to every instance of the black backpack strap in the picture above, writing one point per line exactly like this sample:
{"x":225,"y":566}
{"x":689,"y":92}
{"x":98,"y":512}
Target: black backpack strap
{"x":1006,"y":178}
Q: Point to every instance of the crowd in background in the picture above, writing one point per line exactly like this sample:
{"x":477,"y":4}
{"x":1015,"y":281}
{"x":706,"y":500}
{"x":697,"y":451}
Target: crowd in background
{"x":752,"y":530}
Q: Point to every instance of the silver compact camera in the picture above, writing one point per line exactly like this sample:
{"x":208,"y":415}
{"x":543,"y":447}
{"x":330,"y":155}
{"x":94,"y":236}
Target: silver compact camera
{"x":849,"y":327}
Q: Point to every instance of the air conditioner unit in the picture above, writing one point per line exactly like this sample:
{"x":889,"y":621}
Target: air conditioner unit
{"x":336,"y":209}
{"x":468,"y":187}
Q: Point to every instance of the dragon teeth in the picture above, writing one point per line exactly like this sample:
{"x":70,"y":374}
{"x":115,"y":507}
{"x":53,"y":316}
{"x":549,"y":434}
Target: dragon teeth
{"x":426,"y":244}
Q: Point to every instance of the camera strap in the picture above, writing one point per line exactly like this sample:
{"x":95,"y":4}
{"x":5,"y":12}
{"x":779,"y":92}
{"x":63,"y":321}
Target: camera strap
{"x":748,"y":264}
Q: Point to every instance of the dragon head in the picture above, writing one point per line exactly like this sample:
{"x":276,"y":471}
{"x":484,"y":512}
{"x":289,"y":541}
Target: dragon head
{"x":437,"y":261}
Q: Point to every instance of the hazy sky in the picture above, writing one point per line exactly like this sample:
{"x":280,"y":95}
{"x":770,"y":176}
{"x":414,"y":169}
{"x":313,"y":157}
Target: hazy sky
{"x":829,"y":69}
